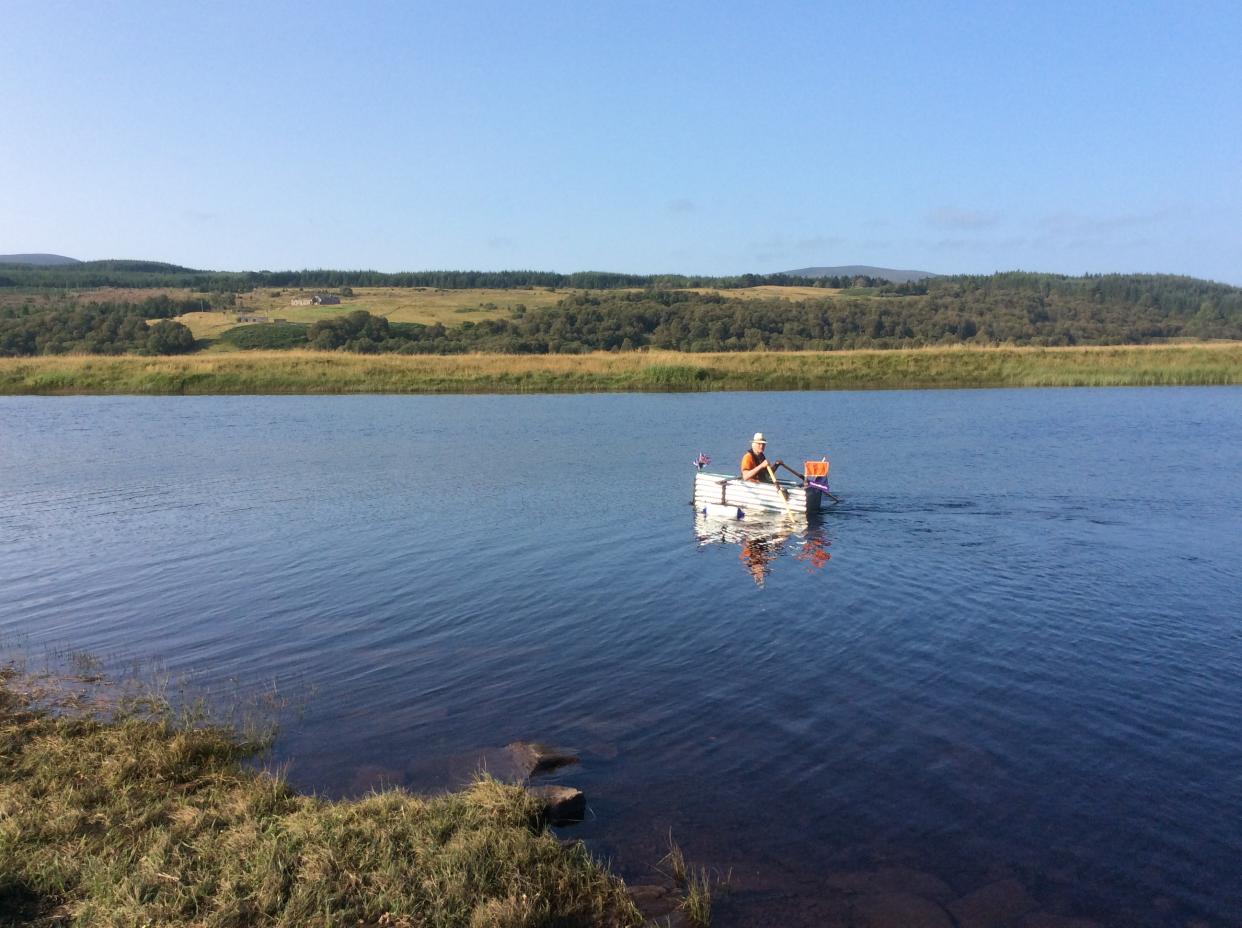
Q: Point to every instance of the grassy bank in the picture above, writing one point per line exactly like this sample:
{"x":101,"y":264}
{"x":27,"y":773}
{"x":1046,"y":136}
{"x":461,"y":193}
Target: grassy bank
{"x":130,"y":816}
{"x":320,"y":372}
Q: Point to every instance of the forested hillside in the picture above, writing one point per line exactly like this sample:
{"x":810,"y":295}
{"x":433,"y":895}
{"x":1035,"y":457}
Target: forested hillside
{"x":1012,"y":308}
{"x":156,"y":274}
{"x":1020,"y":309}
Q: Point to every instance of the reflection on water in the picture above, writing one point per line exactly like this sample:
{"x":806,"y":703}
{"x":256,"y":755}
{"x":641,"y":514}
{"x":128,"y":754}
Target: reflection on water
{"x":764,"y":538}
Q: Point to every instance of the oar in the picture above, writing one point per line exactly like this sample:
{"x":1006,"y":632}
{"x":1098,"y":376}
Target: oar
{"x":780,"y":489}
{"x":802,"y":477}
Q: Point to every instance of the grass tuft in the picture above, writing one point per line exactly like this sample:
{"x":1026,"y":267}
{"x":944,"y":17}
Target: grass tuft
{"x":698,"y":885}
{"x":698,"y":902}
{"x":675,"y":860}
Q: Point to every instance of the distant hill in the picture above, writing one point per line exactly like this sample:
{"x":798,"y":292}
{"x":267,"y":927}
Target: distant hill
{"x":41,"y":260}
{"x":862,"y":270}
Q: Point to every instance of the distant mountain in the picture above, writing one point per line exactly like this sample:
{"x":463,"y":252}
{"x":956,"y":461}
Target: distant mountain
{"x":862,"y":270}
{"x":42,"y":260}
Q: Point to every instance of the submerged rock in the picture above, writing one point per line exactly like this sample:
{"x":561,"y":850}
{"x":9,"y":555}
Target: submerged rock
{"x":1048,"y":920}
{"x":899,"y":910}
{"x":562,"y":805}
{"x":890,"y":880}
{"x":532,"y":759}
{"x":996,"y":905}
{"x":654,"y":901}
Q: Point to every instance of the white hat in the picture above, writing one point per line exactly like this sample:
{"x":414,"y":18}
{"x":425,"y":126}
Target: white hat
{"x":759,"y":439}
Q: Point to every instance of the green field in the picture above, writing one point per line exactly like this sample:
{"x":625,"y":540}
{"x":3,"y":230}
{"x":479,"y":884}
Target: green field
{"x":301,"y":371}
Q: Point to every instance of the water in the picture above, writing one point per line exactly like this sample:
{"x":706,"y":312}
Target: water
{"x":1014,"y":651}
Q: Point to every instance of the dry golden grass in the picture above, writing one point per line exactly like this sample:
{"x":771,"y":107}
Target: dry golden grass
{"x":334,"y":372}
{"x":209,"y":324}
{"x":404,"y":304}
{"x":775,"y":293}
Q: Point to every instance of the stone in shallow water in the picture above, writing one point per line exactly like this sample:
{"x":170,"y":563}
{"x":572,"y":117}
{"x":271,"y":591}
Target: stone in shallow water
{"x":654,"y":901}
{"x":562,"y":805}
{"x":997,"y":905}
{"x":530,"y":759}
{"x":899,"y":910}
{"x":604,"y":749}
{"x":890,"y":880}
{"x":1048,"y":920}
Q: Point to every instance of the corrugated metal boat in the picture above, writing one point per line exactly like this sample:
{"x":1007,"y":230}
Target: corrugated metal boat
{"x":730,"y":490}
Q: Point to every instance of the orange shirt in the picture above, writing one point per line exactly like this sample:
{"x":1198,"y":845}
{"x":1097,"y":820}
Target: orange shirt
{"x":751,"y":460}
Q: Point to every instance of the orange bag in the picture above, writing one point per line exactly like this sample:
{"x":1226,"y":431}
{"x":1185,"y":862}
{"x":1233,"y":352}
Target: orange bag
{"x":816,"y":468}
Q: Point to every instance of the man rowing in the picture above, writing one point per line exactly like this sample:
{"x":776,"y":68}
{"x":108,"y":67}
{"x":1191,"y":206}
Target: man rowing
{"x":754,"y":465}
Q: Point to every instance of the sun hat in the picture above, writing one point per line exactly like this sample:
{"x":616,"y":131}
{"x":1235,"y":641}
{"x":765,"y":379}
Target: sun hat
{"x":759,"y":439}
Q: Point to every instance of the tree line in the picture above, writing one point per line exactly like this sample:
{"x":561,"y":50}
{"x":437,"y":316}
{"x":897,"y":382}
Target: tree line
{"x":137,"y":274}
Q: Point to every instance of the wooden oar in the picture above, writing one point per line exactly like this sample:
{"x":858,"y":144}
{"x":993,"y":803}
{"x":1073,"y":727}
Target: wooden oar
{"x":802,"y":477}
{"x":780,"y":489}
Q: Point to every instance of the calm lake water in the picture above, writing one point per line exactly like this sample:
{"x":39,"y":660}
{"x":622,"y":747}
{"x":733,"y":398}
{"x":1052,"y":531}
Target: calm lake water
{"x":1014,"y":651}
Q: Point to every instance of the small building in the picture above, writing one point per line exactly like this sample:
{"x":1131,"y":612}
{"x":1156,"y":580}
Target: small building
{"x":317,"y":299}
{"x":251,"y":317}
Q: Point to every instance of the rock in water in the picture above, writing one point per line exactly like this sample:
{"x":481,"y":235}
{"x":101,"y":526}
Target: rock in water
{"x":1048,"y":920}
{"x":562,"y":805}
{"x":654,"y":901}
{"x":994,"y":906}
{"x":890,"y":880}
{"x":531,"y":759}
{"x":899,"y":910}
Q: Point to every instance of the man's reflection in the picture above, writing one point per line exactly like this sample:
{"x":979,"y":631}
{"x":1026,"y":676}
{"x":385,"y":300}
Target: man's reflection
{"x":814,"y":553}
{"x":757,"y":553}
{"x":762,"y":541}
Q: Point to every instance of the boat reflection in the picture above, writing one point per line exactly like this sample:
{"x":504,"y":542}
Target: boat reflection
{"x":764,"y":538}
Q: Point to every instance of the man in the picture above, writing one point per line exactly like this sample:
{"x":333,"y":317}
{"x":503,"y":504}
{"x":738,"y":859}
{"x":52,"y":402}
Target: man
{"x":754,"y":464}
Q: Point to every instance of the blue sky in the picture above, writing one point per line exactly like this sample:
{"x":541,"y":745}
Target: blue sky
{"x":644,"y":137}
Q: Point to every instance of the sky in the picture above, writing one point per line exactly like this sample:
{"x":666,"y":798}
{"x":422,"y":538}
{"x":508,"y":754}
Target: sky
{"x":646,"y":137}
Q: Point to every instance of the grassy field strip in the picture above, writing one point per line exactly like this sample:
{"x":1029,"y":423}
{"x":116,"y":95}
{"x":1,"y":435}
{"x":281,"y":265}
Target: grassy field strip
{"x":332,"y":372}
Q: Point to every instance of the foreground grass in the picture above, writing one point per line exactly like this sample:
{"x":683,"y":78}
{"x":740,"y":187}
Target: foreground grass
{"x":129,"y":816}
{"x":330,"y":372}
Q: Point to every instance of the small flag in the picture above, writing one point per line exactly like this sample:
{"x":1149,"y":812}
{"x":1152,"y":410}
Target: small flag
{"x":702,"y":461}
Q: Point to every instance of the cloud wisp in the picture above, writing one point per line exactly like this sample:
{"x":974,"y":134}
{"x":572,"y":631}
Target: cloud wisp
{"x":954,"y":217}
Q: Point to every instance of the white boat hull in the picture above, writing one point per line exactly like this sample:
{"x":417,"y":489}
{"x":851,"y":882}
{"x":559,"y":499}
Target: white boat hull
{"x":728,"y":490}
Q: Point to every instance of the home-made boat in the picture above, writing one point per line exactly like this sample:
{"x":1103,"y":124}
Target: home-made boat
{"x":718,"y":493}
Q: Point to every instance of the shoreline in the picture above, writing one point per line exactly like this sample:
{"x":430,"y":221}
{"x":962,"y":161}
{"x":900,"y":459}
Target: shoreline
{"x":316,"y":372}
{"x":122,"y":808}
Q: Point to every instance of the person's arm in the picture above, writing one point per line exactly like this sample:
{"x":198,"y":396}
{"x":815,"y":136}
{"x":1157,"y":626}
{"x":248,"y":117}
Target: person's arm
{"x":754,"y":471}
